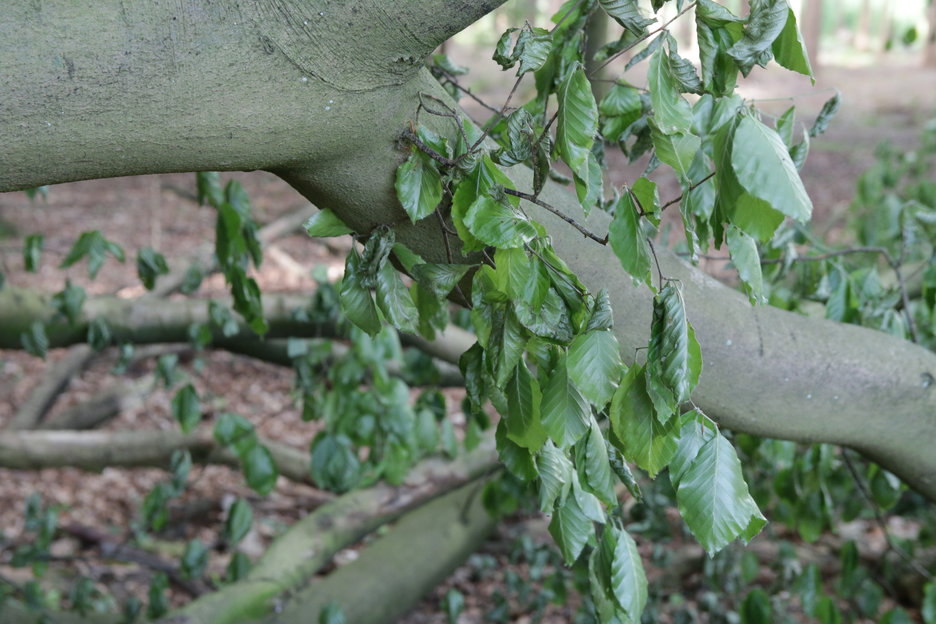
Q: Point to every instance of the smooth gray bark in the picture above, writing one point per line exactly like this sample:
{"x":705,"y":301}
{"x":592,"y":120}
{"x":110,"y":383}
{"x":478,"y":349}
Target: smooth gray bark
{"x":129,"y":88}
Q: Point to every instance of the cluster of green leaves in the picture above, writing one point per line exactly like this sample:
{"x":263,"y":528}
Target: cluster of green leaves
{"x":236,"y":244}
{"x":365,"y":407}
{"x":545,"y":357}
{"x":69,"y":302}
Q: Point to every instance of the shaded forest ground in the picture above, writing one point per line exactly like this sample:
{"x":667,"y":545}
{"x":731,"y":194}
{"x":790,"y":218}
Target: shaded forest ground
{"x":879,"y":103}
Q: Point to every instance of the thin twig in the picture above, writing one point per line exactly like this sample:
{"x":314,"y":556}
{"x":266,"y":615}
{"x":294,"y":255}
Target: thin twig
{"x":691,"y":188}
{"x":452,"y":81}
{"x":641,"y":40}
{"x":535,"y":200}
{"x":411,"y":136}
{"x":656,"y":261}
{"x":881,"y":521}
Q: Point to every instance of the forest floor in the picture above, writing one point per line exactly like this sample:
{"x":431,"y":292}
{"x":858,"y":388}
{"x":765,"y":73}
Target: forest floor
{"x":879,"y":103}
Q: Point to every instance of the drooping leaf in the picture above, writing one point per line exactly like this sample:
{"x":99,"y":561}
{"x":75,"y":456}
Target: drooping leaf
{"x":628,"y":241}
{"x":34,"y":340}
{"x":695,"y":431}
{"x":259,"y":469}
{"x":235,"y":431}
{"x":577,"y":122}
{"x":594,"y":365}
{"x":325,"y":223}
{"x":238,"y":523}
{"x":531,"y":49}
{"x":829,"y":109}
{"x":714,"y":499}
{"x":668,"y":362}
{"x":395,"y":300}
{"x":186,"y":409}
{"x":622,"y":572}
{"x":789,"y":49}
{"x":440,"y":279}
{"x":601,"y":317}
{"x":418,"y":186}
{"x":524,"y":426}
{"x":355,"y":299}
{"x":516,"y":459}
{"x":643,"y":439}
{"x":334,"y":465}
{"x":571,"y":529}
{"x":150,"y":265}
{"x":594,"y":463}
{"x":32,"y":251}
{"x":565,"y":411}
{"x":69,"y":301}
{"x":96,"y":248}
{"x":671,"y":111}
{"x":676,"y":150}
{"x":194,"y":559}
{"x":768,"y":17}
{"x":764,"y":169}
{"x":555,"y":477}
{"x":746,"y":260}
{"x":627,"y":14}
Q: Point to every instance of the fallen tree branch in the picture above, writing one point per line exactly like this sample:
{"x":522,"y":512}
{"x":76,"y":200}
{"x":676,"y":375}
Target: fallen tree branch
{"x":311,"y":542}
{"x":388,"y":578}
{"x":96,"y":450}
{"x":56,"y":378}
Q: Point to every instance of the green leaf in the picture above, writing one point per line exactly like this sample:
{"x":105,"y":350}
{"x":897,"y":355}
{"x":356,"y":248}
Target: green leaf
{"x":829,"y":109}
{"x":532,"y":48}
{"x":395,"y":300}
{"x":418,"y":186}
{"x":565,"y":411}
{"x":555,"y":476}
{"x":99,"y":334}
{"x":334,"y":466}
{"x":746,"y":259}
{"x":326,"y":223}
{"x":671,"y":111}
{"x":69,"y":302}
{"x":34,"y":340}
{"x":764,"y":169}
{"x":259,"y":469}
{"x":593,"y":460}
{"x":238,"y":523}
{"x":235,"y":431}
{"x":32,"y":251}
{"x":194,"y":560}
{"x":331,"y":613}
{"x":694,"y":433}
{"x":93,"y":245}
{"x":523,"y":409}
{"x":676,"y":150}
{"x":516,"y":459}
{"x":594,"y":364}
{"x":628,"y":241}
{"x":186,"y":409}
{"x":476,"y":184}
{"x":642,"y":438}
{"x":180,"y":466}
{"x":356,"y":301}
{"x":571,"y":529}
{"x":789,"y":49}
{"x":627,"y":14}
{"x":498,"y":224}
{"x":768,"y":17}
{"x":668,"y":361}
{"x":453,"y":603}
{"x":621,"y":571}
{"x":577,"y":122}
{"x":928,"y":608}
{"x":208,"y":185}
{"x":440,"y":279}
{"x":237,"y":569}
{"x":714,"y":499}
{"x":150,"y":265}
{"x":602,"y":316}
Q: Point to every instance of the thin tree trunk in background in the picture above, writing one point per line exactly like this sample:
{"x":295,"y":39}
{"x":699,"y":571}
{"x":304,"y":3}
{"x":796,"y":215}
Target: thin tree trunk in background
{"x":596,"y":35}
{"x":887,"y":26}
{"x":929,"y":58}
{"x":811,"y":26}
{"x":862,"y":33}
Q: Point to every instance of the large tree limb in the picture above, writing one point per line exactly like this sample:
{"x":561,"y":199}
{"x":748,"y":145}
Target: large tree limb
{"x":180,"y":107}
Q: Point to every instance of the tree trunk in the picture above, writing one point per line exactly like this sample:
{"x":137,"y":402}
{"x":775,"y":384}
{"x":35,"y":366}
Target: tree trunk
{"x":320,"y":98}
{"x":811,"y":27}
{"x":929,"y":49}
